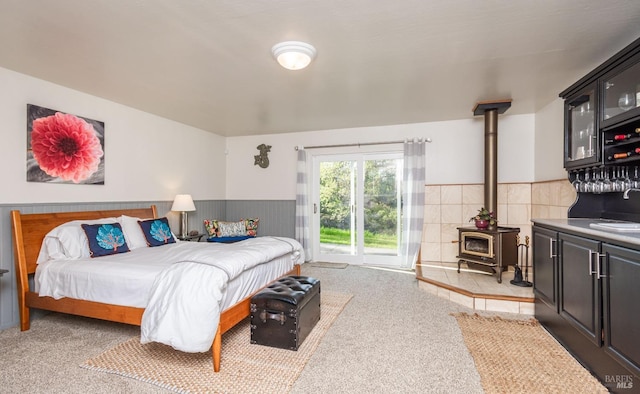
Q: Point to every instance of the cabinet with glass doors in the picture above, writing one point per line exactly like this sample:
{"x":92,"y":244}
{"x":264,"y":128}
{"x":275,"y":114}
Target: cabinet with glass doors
{"x":581,"y":137}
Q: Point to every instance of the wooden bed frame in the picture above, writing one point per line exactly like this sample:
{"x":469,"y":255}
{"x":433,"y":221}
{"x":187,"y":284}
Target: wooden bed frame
{"x":29,"y":231}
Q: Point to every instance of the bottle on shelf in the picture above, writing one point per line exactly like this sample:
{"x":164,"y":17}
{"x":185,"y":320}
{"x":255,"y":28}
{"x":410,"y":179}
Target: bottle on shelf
{"x":624,"y":155}
{"x":623,"y":137}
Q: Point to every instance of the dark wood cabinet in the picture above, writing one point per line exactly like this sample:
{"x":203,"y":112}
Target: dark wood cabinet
{"x":600,"y":106}
{"x":544,"y":265}
{"x":580,"y":292}
{"x":586,"y":291}
{"x":586,"y":295}
{"x":621,"y":309}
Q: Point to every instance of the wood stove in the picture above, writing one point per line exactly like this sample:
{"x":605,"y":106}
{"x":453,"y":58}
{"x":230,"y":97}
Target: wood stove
{"x":491,"y":251}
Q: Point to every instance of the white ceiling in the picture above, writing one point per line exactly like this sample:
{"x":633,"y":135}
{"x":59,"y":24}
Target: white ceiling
{"x":207,"y":63}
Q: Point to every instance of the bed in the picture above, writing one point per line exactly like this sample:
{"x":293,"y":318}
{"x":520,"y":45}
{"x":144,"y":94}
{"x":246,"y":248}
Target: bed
{"x":29,"y":231}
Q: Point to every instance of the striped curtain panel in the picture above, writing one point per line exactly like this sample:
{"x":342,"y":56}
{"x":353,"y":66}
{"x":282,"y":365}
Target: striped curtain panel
{"x":302,"y":204}
{"x":413,"y":180}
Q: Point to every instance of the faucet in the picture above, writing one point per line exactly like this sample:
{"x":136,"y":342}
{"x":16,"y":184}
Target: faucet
{"x":625,"y":195}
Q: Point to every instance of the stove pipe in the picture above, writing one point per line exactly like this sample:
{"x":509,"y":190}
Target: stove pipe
{"x":491,"y":160}
{"x":491,"y":110}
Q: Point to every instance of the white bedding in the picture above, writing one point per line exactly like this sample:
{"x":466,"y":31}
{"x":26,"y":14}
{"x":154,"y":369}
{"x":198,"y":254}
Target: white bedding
{"x":183,"y":301}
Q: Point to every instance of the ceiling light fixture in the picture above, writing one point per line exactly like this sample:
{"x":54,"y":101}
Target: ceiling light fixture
{"x":293,"y":55}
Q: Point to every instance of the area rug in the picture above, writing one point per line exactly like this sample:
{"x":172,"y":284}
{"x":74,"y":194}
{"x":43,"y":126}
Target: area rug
{"x":519,"y":356}
{"x":244,"y":368}
{"x":324,"y":264}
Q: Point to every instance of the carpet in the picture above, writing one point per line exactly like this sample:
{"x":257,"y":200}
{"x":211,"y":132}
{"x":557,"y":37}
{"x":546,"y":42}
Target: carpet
{"x":324,"y":264}
{"x":244,"y":367}
{"x":519,"y":356}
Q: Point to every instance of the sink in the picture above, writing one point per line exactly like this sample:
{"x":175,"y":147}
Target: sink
{"x":622,"y":227}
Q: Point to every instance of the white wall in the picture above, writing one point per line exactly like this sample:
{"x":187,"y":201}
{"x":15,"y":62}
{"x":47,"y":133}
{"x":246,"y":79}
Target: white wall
{"x":146,"y":157}
{"x":454,"y":157}
{"x":152,"y":158}
{"x":549,"y":142}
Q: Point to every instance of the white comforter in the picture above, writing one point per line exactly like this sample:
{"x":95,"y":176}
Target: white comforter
{"x":184,"y":306}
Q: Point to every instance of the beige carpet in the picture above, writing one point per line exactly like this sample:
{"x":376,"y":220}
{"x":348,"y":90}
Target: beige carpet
{"x":519,"y":356}
{"x":244,"y":368}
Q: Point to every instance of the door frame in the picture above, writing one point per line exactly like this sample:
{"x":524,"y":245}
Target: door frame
{"x":359,"y":258}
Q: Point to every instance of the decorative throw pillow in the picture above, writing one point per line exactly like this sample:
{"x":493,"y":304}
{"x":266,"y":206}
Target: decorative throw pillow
{"x":232,"y":229}
{"x":212,"y":227}
{"x":105,"y":239}
{"x":251,"y":226}
{"x":157,"y":231}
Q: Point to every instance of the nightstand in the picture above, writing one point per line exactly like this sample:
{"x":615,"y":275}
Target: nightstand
{"x":191,"y":238}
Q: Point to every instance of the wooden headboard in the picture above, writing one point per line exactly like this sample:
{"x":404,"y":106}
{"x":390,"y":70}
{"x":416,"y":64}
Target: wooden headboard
{"x":29,"y":231}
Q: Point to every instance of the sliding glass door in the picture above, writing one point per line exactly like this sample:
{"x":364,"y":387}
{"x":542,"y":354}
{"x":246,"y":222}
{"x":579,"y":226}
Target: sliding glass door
{"x":356,"y":208}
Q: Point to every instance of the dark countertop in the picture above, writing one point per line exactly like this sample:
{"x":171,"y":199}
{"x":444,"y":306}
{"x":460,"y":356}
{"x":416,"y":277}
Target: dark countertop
{"x":582,"y":227}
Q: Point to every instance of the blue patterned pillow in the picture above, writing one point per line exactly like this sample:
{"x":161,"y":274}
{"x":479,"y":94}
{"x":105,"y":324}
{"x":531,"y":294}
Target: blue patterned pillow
{"x":157,"y":231}
{"x":105,"y":239}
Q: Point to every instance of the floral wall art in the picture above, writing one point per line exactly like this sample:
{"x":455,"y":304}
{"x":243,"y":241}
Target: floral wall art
{"x":64,"y":148}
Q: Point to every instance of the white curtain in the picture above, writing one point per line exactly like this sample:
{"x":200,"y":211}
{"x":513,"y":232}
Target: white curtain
{"x":412,"y":202}
{"x":302,"y":203}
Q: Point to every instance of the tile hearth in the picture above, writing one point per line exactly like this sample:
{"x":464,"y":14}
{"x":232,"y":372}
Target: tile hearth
{"x":476,"y":290}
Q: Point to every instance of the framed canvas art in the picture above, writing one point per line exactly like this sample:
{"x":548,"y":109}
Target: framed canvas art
{"x":64,"y":148}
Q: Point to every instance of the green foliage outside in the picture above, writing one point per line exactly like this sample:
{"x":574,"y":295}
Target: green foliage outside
{"x":343,"y":237}
{"x":380,"y":202}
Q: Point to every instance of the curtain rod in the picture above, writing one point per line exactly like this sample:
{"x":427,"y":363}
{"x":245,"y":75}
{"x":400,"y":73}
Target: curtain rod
{"x":359,"y":144}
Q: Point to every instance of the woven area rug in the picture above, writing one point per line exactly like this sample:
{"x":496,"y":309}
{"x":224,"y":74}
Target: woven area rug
{"x":244,"y":368}
{"x":519,"y":356}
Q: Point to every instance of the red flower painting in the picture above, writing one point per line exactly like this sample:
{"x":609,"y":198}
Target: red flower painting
{"x":66,"y":146}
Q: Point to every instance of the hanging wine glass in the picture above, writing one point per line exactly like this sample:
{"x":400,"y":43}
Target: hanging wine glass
{"x":586,"y":186}
{"x":596,"y":186}
{"x":606,"y":185}
{"x":626,"y":180}
{"x":618,"y":184}
{"x":577,"y":183}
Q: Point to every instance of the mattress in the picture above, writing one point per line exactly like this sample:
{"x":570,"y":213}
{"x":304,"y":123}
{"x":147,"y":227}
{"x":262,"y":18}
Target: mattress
{"x":127,"y":278}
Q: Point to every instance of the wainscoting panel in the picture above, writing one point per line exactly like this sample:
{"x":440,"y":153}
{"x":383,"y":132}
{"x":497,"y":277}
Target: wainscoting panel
{"x":277,"y":217}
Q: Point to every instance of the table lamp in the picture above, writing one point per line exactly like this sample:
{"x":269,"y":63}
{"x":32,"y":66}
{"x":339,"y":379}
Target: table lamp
{"x":183,"y":203}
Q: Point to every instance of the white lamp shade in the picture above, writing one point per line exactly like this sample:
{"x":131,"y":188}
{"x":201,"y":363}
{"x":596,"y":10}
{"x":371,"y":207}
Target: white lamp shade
{"x":293,"y":55}
{"x":183,"y":203}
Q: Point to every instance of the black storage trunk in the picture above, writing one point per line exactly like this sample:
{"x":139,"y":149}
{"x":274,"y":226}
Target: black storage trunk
{"x":283,"y":314}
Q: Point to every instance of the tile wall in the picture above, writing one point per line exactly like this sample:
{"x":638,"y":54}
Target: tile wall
{"x":448,"y":207}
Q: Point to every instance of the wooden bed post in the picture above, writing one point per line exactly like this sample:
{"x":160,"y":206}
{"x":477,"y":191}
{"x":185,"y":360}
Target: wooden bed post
{"x":22,"y":279}
{"x":216,"y":349}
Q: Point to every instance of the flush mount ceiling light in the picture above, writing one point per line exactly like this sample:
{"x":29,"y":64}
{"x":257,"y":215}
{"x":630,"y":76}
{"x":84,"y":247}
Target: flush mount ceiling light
{"x":293,"y":55}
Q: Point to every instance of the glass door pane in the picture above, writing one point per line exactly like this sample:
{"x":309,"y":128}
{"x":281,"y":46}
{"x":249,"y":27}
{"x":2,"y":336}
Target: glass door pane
{"x":337,"y":207}
{"x":382,"y":194}
{"x":621,"y":92}
{"x":582,"y":137}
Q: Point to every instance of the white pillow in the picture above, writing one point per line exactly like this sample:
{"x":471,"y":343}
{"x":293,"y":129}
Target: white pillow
{"x":132,"y":232}
{"x":68,"y":241}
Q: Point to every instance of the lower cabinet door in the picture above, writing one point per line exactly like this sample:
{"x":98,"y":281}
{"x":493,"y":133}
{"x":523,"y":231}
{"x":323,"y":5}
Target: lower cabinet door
{"x":580,"y":301}
{"x":621,"y":308}
{"x":544,"y":265}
